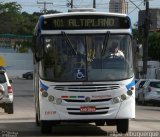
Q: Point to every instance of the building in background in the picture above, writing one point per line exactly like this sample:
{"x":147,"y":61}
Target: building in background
{"x":153,"y":69}
{"x":118,"y":6}
{"x":154,"y":15}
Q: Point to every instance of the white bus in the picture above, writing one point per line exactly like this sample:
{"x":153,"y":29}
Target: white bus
{"x":76,"y":77}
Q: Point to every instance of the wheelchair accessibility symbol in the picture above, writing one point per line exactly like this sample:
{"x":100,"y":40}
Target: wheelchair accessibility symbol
{"x":80,"y":73}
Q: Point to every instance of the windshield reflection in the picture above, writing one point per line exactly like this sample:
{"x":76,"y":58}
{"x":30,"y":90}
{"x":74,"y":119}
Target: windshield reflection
{"x":60,"y":63}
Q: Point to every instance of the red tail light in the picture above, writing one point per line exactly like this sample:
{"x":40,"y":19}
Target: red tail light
{"x":10,"y":89}
{"x":149,"y":89}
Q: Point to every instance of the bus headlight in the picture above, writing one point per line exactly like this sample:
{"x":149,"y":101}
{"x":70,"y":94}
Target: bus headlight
{"x":44,"y":94}
{"x":116,"y":100}
{"x":58,"y":101}
{"x":51,"y":98}
{"x":129,"y":92}
{"x":123,"y":96}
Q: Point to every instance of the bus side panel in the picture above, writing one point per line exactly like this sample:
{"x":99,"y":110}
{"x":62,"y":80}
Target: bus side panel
{"x":127,"y":109}
{"x":47,"y":110}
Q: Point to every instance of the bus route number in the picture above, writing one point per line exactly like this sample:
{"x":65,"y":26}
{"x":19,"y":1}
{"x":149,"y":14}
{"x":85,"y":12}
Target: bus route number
{"x":58,"y":23}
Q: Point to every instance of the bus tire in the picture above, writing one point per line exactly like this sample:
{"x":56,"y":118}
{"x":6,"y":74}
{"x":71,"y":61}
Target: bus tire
{"x":45,"y":127}
{"x":122,"y":125}
{"x":37,"y":119}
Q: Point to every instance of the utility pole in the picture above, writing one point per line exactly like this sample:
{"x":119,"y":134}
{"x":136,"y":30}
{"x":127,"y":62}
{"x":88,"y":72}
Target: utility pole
{"x":44,"y":7}
{"x":145,"y":40}
{"x":71,"y":4}
{"x":94,"y":3}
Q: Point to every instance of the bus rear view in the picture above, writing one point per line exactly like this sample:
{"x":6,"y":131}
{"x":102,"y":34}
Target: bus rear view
{"x":83,"y":70}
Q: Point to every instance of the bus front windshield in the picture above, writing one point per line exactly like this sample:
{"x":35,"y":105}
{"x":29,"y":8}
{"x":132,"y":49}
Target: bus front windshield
{"x":91,"y":57}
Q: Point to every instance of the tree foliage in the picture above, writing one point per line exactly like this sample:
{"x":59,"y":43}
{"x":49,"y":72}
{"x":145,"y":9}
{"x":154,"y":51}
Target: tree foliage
{"x":13,"y":21}
{"x":9,"y":17}
{"x":153,"y":43}
{"x":11,"y":7}
{"x":154,"y":46}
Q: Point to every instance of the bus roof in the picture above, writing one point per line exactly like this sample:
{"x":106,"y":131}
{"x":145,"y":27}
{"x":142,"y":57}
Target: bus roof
{"x":83,"y":13}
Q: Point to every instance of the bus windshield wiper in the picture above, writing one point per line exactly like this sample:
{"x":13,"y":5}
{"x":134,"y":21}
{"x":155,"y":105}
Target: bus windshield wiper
{"x":105,"y":43}
{"x":68,"y":42}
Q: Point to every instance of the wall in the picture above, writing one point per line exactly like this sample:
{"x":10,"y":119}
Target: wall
{"x":152,"y":69}
{"x":16,"y":63}
{"x":154,"y":18}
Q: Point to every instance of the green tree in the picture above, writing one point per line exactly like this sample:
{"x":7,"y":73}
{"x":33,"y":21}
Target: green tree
{"x":154,"y":46}
{"x":9,"y":17}
{"x":154,"y":43}
{"x":26,"y":26}
{"x":52,"y":12}
{"x":13,"y":21}
{"x":11,"y":7}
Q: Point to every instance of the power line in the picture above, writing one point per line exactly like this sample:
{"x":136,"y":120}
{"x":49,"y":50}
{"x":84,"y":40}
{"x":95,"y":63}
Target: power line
{"x":135,"y":8}
{"x":102,"y":5}
{"x":44,"y":3}
{"x":134,"y":4}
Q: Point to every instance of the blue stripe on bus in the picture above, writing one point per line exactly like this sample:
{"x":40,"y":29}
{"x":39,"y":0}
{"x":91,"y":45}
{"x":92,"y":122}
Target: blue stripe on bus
{"x":40,"y":24}
{"x":43,"y":86}
{"x":132,"y":83}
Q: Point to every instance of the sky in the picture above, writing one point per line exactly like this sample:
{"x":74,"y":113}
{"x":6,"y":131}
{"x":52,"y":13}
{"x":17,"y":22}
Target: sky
{"x":31,"y":6}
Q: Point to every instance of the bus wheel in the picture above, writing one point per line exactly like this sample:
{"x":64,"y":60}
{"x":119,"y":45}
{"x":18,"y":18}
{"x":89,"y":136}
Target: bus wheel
{"x":122,"y":125}
{"x":46,"y":127}
{"x":37,"y":120}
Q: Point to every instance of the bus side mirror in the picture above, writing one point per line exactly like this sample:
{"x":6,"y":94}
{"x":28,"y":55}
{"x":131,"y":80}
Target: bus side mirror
{"x":33,"y":46}
{"x":37,"y":47}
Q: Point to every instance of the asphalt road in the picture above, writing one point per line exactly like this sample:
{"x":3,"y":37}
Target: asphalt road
{"x":22,"y":122}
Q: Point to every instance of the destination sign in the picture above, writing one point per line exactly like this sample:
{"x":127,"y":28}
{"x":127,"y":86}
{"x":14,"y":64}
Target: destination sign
{"x":85,"y":22}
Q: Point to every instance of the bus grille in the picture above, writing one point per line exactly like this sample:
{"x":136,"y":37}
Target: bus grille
{"x":76,"y":111}
{"x":87,"y":113}
{"x":87,"y":88}
{"x":95,"y":100}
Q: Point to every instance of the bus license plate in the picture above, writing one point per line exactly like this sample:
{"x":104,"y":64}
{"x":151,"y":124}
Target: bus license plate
{"x":87,"y":109}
